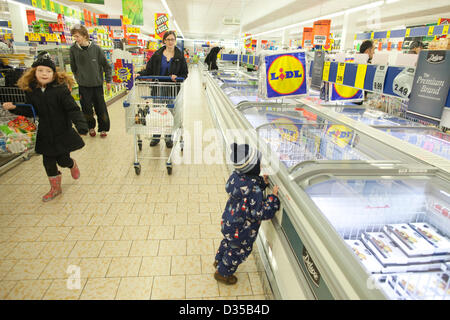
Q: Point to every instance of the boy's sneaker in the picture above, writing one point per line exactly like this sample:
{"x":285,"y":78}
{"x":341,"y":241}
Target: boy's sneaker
{"x":103,"y":134}
{"x":227,"y":280}
{"x":92,"y":132}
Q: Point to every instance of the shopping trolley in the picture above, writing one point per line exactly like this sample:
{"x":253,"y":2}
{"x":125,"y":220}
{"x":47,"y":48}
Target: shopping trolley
{"x":155,"y":107}
{"x":17,"y":133}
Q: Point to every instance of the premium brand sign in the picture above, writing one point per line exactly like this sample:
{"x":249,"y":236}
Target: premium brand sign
{"x":313,"y":272}
{"x":431,"y":84}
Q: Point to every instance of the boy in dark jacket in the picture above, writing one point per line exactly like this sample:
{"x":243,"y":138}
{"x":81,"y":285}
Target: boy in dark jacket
{"x":88,"y":63}
{"x":47,"y":90}
{"x":244,"y":211}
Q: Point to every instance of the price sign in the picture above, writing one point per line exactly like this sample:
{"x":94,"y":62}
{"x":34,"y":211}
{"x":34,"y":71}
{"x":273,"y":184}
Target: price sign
{"x":378,"y":80}
{"x":340,"y":73}
{"x":52,"y":6}
{"x":388,"y":34}
{"x":320,"y":40}
{"x":430,"y":31}
{"x":372,"y":35}
{"x":326,"y":70}
{"x":34,"y":3}
{"x":360,"y":76}
{"x":408,"y":31}
{"x":403,"y":82}
{"x":445,"y":30}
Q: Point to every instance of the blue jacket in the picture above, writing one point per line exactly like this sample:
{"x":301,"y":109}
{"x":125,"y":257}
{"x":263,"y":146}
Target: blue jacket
{"x":246,"y":208}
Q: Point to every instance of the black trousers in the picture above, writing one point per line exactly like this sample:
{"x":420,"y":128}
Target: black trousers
{"x":50,"y":163}
{"x":93,"y":96}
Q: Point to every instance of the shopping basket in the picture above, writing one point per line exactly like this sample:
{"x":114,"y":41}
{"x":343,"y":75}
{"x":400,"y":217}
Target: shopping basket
{"x":155,"y":107}
{"x":17,"y":135}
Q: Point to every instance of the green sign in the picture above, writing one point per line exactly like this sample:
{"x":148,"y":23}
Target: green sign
{"x":134,"y":10}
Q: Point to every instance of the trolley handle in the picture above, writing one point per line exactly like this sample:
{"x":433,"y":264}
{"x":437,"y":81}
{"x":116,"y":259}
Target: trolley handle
{"x":179,"y":79}
{"x":27,"y":105}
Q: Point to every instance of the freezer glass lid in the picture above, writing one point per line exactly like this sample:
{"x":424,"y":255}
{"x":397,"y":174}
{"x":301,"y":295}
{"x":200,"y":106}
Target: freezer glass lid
{"x":429,"y":139}
{"x":295,"y":139}
{"x":375,"y":117}
{"x":397,"y":228}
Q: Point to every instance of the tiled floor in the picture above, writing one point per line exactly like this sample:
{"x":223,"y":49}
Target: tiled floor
{"x":151,"y":236}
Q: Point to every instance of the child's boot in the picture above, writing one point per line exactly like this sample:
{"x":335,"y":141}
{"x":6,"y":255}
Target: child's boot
{"x":55,"y":184}
{"x":75,"y":171}
{"x":227,"y":280}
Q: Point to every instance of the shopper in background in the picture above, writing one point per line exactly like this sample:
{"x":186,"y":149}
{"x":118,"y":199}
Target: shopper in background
{"x":244,"y":211}
{"x":211,"y":58}
{"x":416,"y":47}
{"x":368,"y":48}
{"x":88,"y":63}
{"x":166,"y":61}
{"x":47,"y":90}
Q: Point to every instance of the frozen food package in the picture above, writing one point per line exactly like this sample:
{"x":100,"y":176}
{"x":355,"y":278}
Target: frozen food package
{"x":384,"y":248}
{"x":411,"y":242}
{"x":439,"y":241}
{"x":422,"y":285}
{"x":365,"y":256}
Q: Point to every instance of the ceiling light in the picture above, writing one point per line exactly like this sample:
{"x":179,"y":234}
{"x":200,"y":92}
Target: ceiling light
{"x":167,"y":7}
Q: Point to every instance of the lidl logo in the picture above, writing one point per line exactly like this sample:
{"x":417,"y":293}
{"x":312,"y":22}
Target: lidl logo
{"x":340,"y":92}
{"x":287,"y":129}
{"x":341,"y":135}
{"x":285,"y":74}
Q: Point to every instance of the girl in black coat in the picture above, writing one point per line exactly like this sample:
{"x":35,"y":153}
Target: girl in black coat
{"x":166,"y":61}
{"x":48,"y":91}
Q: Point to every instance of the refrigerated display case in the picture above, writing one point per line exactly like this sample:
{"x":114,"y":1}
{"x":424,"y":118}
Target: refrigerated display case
{"x":336,"y":182}
{"x":425,"y":137}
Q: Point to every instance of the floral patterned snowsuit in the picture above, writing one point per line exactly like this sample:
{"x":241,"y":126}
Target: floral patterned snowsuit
{"x":241,"y":219}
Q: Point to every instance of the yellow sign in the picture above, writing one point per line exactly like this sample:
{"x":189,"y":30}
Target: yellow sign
{"x":44,"y":4}
{"x":340,"y":135}
{"x":430,"y":31}
{"x":388,"y":34}
{"x":52,"y":6}
{"x":372,"y":35}
{"x":133,"y":30}
{"x":287,"y":129}
{"x":340,"y":73}
{"x":360,"y":76}
{"x":408,"y":31}
{"x":34,"y":3}
{"x":286,"y":74}
{"x":326,"y":71}
{"x":445,"y":30}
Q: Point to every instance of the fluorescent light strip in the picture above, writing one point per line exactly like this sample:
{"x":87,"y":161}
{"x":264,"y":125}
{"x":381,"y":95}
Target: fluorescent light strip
{"x":328,"y":16}
{"x":178,"y":28}
{"x":167,"y":7}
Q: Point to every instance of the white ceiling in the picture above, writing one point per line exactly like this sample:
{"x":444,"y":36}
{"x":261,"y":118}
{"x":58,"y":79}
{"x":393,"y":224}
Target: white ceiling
{"x":202,"y":19}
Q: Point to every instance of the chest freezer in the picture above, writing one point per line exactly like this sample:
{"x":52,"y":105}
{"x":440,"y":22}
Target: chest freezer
{"x":395,"y":227}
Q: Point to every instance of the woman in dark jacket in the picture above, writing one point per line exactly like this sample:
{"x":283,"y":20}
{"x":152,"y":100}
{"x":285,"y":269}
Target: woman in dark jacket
{"x":48,"y":91}
{"x":167,"y":61}
{"x":211,"y":58}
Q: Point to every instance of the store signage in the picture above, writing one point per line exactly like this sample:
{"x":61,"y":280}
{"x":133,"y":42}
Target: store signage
{"x":360,"y":76}
{"x":321,"y":32}
{"x":340,"y":135}
{"x":326,"y":70}
{"x":285,"y":74}
{"x":378,"y":80}
{"x":134,"y":10}
{"x":403,"y":82}
{"x":307,"y":39}
{"x":31,"y":16}
{"x":161,"y":24}
{"x":431,"y":84}
{"x":248,"y":41}
{"x":340,"y":73}
{"x":317,"y":71}
{"x":342,"y":93}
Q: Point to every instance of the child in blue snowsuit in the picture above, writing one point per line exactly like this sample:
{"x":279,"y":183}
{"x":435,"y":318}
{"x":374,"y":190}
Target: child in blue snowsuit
{"x":244,"y":211}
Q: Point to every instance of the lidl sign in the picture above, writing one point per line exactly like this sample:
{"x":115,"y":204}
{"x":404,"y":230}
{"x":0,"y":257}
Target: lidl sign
{"x":340,"y":92}
{"x":285,"y":74}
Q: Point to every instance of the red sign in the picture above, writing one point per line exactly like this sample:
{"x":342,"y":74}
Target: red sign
{"x":444,"y":21}
{"x":307,"y":37}
{"x":31,"y":16}
{"x":321,"y":32}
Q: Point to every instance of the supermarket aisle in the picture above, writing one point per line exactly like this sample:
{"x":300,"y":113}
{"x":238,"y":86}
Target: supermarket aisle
{"x":133,"y":237}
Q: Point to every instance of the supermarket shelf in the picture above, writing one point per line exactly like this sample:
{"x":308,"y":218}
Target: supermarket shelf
{"x":118,"y":96}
